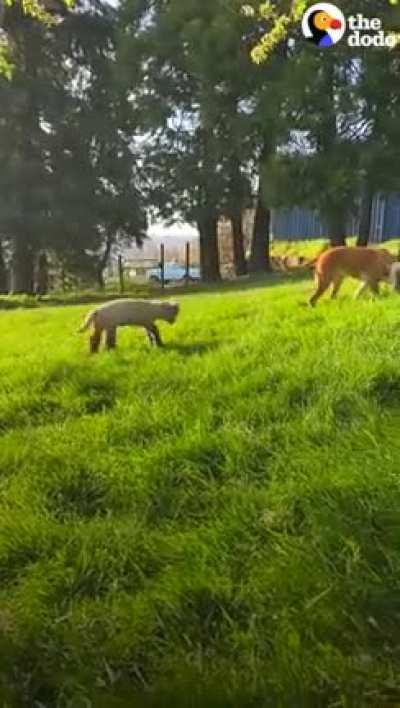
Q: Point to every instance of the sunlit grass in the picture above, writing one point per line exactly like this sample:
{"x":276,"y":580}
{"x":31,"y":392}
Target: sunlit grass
{"x":212,"y":524}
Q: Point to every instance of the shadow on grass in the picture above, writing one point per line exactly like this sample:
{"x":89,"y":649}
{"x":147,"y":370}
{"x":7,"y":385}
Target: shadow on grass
{"x":191,"y":349}
{"x":147,"y":292}
{"x":270,"y":279}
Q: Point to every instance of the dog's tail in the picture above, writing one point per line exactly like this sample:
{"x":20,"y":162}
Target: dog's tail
{"x":88,"y":321}
{"x":303,"y":265}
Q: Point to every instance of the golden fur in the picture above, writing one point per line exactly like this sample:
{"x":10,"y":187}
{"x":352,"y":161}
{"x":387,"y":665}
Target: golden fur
{"x":369,"y":265}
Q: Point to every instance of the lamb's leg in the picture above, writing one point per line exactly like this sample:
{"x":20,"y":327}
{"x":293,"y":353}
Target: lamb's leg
{"x":95,"y":340}
{"x":155,"y":334}
{"x":150,"y":336}
{"x":111,"y":340}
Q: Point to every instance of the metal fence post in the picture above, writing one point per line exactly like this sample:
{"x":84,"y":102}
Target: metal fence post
{"x":187,"y":261}
{"x":121,"y":274}
{"x":162,"y":265}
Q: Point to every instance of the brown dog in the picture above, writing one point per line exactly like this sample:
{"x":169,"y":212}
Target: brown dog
{"x":369,"y":265}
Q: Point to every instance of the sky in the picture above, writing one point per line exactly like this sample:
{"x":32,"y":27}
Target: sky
{"x":181,"y":230}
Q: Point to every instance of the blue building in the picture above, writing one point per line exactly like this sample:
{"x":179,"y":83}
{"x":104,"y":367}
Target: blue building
{"x":296,"y":224}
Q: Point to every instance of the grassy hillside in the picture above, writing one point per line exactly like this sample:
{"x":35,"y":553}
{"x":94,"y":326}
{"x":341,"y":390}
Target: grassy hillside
{"x":213,"y":524}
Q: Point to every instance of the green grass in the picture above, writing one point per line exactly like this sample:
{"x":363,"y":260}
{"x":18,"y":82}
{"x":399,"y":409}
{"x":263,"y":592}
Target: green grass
{"x":213,"y":524}
{"x":308,"y":249}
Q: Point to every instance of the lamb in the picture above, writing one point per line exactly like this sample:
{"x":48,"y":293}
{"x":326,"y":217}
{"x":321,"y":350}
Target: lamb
{"x":120,"y":313}
{"x":395,"y":276}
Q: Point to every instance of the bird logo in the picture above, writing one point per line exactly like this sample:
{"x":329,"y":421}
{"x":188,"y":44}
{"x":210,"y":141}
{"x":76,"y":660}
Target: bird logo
{"x":324,"y":24}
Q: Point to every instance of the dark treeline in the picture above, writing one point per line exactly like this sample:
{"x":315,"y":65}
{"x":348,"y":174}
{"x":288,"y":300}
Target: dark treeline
{"x":154,"y":109}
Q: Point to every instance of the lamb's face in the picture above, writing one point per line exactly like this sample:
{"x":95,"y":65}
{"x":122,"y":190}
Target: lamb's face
{"x":171,"y":312}
{"x":395,"y":276}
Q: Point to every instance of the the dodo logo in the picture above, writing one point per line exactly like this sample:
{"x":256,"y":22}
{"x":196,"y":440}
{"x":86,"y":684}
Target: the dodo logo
{"x":324,"y":24}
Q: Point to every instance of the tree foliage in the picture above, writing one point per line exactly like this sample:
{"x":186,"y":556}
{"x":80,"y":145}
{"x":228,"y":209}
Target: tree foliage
{"x":70,"y":183}
{"x":194,"y":88}
{"x":277,"y":20}
{"x":335,"y":142}
{"x":47,"y":13}
{"x":154,"y":107}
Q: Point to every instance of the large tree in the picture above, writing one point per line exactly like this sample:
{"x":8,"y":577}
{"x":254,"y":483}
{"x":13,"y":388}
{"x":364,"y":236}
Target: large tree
{"x":332,"y":123}
{"x":66,"y":136}
{"x":24,"y":180}
{"x":198,"y":89}
{"x":95,"y":160}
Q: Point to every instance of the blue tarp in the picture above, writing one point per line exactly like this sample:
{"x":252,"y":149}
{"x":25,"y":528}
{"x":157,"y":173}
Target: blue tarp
{"x":296,"y":224}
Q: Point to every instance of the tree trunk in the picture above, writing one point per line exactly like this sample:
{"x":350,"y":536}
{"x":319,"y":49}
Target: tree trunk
{"x":209,"y":254}
{"x":22,"y":267}
{"x":260,"y":246}
{"x":63,"y":279}
{"x":328,"y":139}
{"x":100,"y":278}
{"x":43,"y":275}
{"x":337,"y":229}
{"x":366,"y":215}
{"x":3,"y":273}
{"x":104,"y":262}
{"x":239,"y":258}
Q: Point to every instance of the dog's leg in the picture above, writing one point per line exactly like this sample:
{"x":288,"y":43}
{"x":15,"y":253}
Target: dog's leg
{"x":95,"y":340}
{"x":322,"y":286}
{"x":111,"y":338}
{"x":360,"y":291}
{"x":374,"y":286}
{"x":336,"y":286}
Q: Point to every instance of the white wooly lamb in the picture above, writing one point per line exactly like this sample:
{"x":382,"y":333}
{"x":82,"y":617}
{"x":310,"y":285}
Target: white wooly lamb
{"x":121,"y":313}
{"x":394,"y":278}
